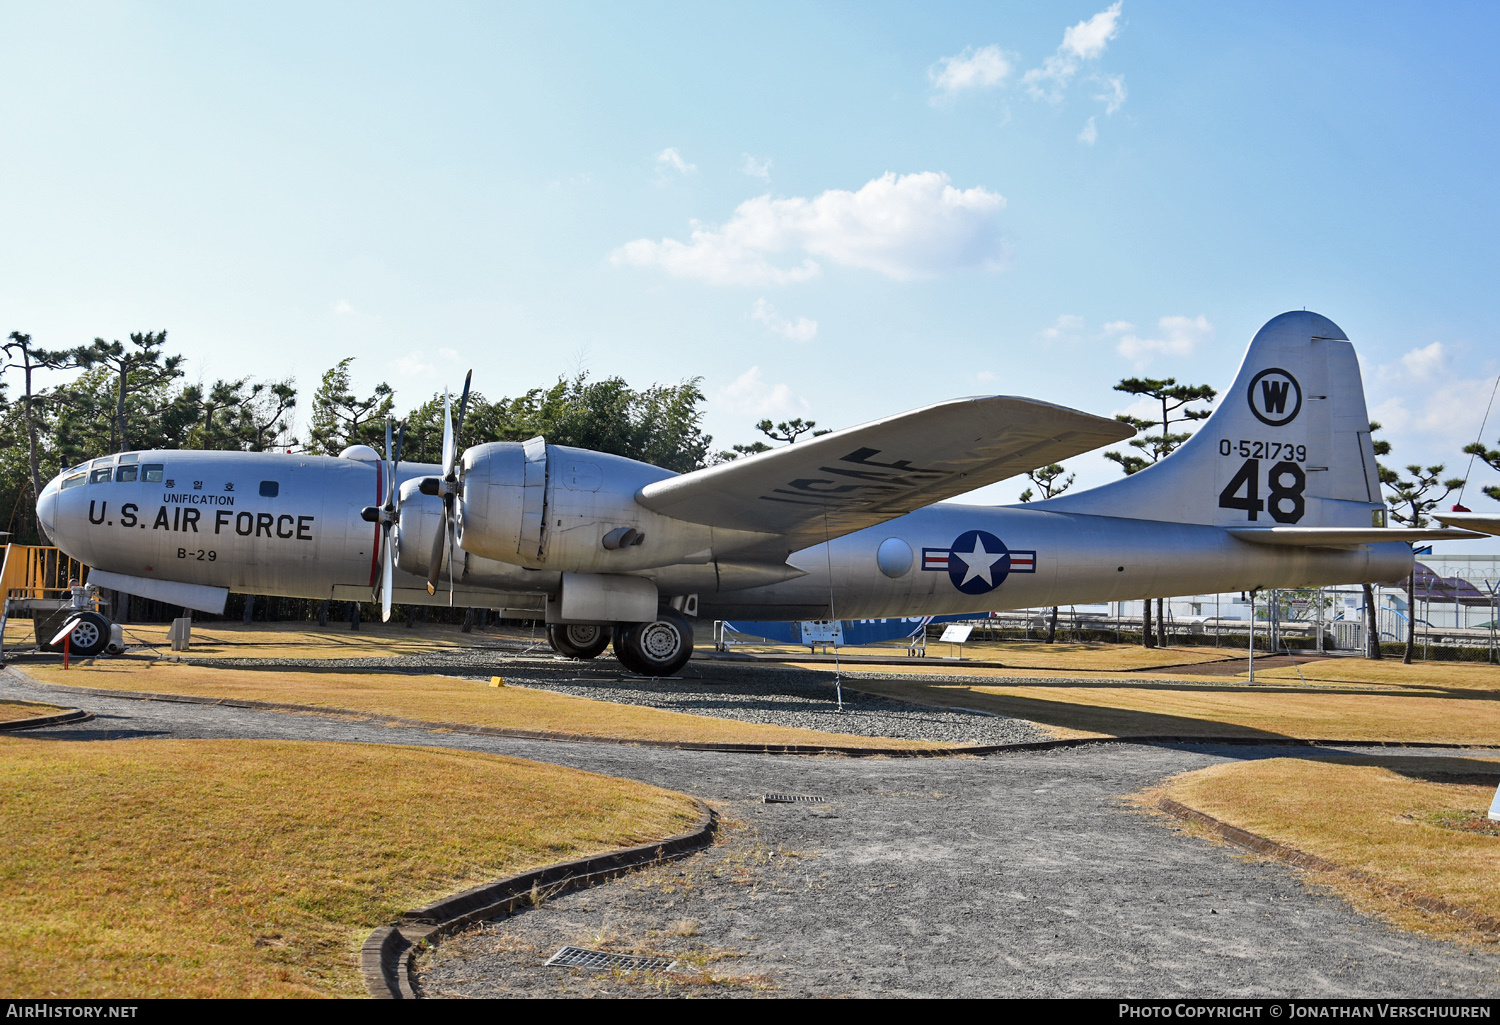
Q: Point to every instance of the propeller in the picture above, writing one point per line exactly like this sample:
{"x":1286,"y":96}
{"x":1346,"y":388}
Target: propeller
{"x":386,"y":515}
{"x":389,"y":514}
{"x":448,"y":488}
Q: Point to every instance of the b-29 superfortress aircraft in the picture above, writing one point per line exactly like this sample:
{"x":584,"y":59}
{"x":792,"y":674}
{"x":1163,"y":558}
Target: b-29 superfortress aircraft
{"x":1278,"y":488}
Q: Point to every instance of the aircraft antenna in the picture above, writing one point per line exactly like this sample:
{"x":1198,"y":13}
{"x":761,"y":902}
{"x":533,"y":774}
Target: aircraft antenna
{"x":1479,"y":440}
{"x":838,"y":674}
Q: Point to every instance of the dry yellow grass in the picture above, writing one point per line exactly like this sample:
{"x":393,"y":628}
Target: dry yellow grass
{"x":305,"y":640}
{"x":219,"y":868}
{"x":1154,"y":708}
{"x":442,"y":699}
{"x":10,"y":711}
{"x":1373,"y":815}
{"x":1014,"y":655}
{"x":1392,"y":673}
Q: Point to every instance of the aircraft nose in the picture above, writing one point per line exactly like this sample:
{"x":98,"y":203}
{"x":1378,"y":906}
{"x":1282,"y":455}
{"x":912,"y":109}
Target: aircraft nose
{"x":46,"y":508}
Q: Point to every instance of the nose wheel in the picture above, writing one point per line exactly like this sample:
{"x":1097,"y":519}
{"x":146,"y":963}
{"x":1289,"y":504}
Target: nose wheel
{"x":658,"y":648}
{"x":582,"y":641}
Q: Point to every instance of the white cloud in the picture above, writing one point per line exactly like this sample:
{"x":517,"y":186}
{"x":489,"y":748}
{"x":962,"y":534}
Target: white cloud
{"x":1087,"y":39}
{"x":1066,"y":326}
{"x":800,"y":330}
{"x":343,"y":308}
{"x":983,"y":68}
{"x":449,"y":354}
{"x":1090,"y":133}
{"x":905,"y":227}
{"x":1426,"y":400}
{"x":1082,"y":42}
{"x":669,"y":157}
{"x":750,"y":395}
{"x":1425,"y":362}
{"x":1115,"y":327}
{"x":757,"y":168}
{"x":1179,"y":337}
{"x":412,"y":365}
{"x":1113,"y":96}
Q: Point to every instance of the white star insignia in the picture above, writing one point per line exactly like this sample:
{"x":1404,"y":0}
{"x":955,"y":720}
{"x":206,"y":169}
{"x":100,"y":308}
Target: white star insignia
{"x":979,"y":562}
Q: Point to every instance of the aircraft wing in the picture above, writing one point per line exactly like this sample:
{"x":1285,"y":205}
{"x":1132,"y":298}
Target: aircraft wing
{"x":824,"y":487}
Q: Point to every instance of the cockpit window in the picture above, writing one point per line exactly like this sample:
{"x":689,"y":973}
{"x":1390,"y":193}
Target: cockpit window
{"x":101,"y":475}
{"x":73,"y":481}
{"x":269,"y":488}
{"x":105,"y":461}
{"x":151,"y":472}
{"x":129,"y":457}
{"x":126,"y":473}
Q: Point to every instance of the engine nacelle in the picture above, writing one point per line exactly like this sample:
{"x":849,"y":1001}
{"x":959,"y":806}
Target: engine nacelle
{"x":552,"y":507}
{"x":421,"y":516}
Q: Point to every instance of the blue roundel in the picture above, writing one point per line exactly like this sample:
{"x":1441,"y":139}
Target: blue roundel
{"x":978,"y":562}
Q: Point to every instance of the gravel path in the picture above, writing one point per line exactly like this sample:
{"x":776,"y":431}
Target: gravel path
{"x":766,"y":694}
{"x":779,"y":696}
{"x":1017,"y":874}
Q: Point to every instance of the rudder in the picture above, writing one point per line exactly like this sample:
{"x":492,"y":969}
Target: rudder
{"x":1289,"y":443}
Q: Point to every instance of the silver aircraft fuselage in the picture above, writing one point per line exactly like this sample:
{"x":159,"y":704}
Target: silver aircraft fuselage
{"x":290,"y":525}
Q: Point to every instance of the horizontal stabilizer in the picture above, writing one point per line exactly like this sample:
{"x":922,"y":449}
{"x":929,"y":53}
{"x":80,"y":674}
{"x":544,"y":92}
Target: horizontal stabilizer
{"x":1343,"y":537}
{"x":1488,"y":523}
{"x":825,"y":487}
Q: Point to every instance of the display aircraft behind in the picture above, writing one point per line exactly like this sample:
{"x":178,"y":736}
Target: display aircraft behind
{"x":1278,"y":488}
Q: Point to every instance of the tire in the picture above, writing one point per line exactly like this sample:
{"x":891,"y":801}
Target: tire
{"x":90,"y":636}
{"x":582,"y":641}
{"x":658,"y":648}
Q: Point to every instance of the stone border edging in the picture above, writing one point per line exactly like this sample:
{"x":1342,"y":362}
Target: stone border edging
{"x":385,"y":960}
{"x":952,"y":751}
{"x":1487,"y":924}
{"x":36,"y":722}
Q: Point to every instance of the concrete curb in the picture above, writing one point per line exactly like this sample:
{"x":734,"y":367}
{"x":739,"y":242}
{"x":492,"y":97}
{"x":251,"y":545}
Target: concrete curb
{"x":385,"y":960}
{"x":1487,"y":924}
{"x":36,"y":722}
{"x":974,"y":750}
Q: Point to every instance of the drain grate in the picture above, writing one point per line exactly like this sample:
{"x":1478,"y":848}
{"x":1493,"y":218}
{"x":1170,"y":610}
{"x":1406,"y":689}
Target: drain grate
{"x":578,"y":957}
{"x":793,"y":799}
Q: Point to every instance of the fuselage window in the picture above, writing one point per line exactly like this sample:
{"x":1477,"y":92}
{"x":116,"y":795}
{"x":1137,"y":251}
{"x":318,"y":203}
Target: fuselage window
{"x":100,"y":476}
{"x":130,"y":457}
{"x":73,"y":481}
{"x":126,"y":474}
{"x":269,"y":488}
{"x":151,"y":472}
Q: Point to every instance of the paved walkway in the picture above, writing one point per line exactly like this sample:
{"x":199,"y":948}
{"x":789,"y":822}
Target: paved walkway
{"x":1018,"y":874}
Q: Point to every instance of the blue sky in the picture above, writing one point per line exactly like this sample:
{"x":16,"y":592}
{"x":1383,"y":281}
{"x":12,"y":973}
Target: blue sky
{"x":833,"y":211}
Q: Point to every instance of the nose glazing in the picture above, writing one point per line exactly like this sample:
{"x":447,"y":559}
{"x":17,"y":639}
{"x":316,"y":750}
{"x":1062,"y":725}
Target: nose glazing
{"x":46,"y":509}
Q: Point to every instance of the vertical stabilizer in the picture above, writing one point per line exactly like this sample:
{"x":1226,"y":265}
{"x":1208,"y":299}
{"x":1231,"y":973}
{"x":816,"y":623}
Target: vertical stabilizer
{"x":1288,"y":443}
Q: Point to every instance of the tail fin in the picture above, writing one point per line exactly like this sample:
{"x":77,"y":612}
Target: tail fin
{"x":1289,"y":443}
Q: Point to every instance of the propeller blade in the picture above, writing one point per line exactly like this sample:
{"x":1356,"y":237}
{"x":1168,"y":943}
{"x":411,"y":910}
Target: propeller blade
{"x":447,"y":436}
{"x":452,"y":531}
{"x":435,"y":566}
{"x":390,"y":472}
{"x":463,"y":406}
{"x":386,"y":579}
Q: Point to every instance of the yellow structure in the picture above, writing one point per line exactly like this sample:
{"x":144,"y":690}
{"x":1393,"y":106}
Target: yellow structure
{"x":38,"y":571}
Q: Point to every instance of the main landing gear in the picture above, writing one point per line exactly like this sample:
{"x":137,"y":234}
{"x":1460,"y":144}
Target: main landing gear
{"x":582,"y":641}
{"x":657,"y":648}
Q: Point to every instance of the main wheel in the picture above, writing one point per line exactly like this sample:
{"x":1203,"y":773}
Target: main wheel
{"x":582,"y":641}
{"x":90,"y":636}
{"x":658,"y":648}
